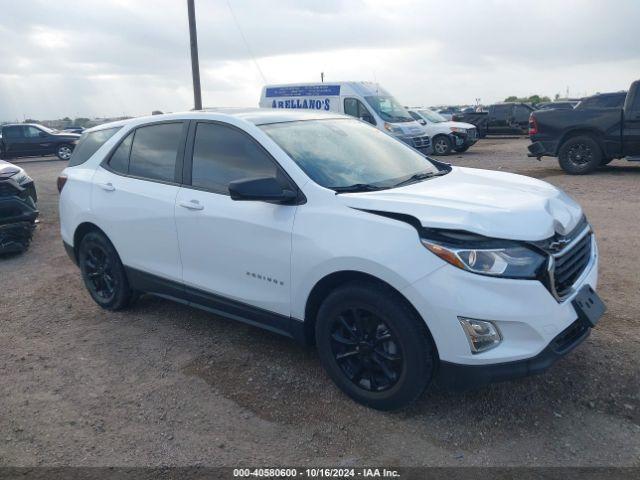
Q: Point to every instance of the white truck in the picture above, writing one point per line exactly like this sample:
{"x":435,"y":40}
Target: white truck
{"x":367,"y":101}
{"x":446,"y":135}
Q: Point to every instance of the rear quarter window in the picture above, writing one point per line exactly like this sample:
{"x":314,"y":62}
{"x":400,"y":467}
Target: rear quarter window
{"x":89,"y":144}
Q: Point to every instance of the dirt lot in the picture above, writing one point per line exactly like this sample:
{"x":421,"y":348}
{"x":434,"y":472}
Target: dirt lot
{"x":164,"y":384}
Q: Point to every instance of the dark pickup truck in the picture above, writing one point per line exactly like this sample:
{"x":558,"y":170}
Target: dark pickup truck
{"x":600,"y":129}
{"x":508,"y":118}
{"x":31,"y":140}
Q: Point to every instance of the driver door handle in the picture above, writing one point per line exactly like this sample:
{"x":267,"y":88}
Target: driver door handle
{"x":107,"y":187}
{"x":191,"y":205}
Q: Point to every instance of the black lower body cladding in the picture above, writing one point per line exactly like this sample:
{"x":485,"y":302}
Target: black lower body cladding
{"x":18,"y":215}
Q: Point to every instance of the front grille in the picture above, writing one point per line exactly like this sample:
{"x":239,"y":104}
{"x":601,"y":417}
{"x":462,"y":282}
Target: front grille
{"x":421,"y":142}
{"x":570,"y":264}
{"x":8,"y":190}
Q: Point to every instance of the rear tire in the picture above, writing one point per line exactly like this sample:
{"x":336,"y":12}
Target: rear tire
{"x":442,"y":145}
{"x":103,"y":273}
{"x":374,"y":346}
{"x":580,"y":155}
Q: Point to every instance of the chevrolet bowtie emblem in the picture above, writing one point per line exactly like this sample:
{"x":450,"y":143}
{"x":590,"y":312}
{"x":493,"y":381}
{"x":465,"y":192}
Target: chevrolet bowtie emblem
{"x":558,"y":245}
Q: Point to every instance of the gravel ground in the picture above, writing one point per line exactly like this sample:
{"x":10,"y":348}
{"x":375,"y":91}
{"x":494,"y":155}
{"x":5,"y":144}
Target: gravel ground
{"x":165,"y":384}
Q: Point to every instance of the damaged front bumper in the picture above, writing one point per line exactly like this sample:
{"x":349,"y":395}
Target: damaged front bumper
{"x":18,"y":214}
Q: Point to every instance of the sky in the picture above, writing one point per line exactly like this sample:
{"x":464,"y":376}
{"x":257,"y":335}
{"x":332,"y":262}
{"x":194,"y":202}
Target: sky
{"x":105,"y":58}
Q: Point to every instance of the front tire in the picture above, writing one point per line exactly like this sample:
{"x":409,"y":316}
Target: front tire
{"x":580,"y":155}
{"x":374,"y":346}
{"x":64,"y":152}
{"x":103,"y":273}
{"x":442,"y":145}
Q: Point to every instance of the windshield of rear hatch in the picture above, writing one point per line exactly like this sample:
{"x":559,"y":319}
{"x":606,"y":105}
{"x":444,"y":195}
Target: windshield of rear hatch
{"x":389,"y":109}
{"x":343,"y":152}
{"x":432,"y":116}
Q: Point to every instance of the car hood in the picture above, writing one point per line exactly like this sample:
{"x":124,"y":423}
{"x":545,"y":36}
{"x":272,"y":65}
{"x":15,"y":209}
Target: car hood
{"x":67,"y":135}
{"x":493,"y":204}
{"x":8,"y":169}
{"x":458,"y":125}
{"x":410,"y":128}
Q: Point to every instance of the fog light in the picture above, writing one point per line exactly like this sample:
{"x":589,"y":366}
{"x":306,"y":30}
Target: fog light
{"x":482,"y":334}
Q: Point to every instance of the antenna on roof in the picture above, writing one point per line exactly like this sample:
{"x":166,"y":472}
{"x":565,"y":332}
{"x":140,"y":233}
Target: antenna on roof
{"x":322,"y":77}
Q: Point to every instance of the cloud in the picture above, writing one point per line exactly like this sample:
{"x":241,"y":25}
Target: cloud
{"x":131,"y":56}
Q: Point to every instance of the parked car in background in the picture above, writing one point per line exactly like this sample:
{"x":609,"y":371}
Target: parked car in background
{"x":448,"y":112}
{"x":599,"y":130}
{"x":446,"y":136}
{"x":18,"y":208}
{"x":31,"y":140}
{"x":77,"y":130}
{"x":323,"y":228}
{"x":364,"y":100}
{"x":555,"y":105}
{"x":499,"y":119}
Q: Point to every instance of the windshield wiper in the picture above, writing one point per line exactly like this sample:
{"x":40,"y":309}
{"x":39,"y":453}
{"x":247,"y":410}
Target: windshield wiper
{"x":417,"y":177}
{"x":358,"y":187}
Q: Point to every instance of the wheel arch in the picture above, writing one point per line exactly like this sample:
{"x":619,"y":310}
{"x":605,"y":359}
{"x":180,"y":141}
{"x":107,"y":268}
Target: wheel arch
{"x":582,"y":131}
{"x":334,"y":280}
{"x":81,"y":230}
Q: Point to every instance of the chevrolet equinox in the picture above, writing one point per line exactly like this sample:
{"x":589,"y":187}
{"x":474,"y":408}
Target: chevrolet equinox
{"x":399,"y":268}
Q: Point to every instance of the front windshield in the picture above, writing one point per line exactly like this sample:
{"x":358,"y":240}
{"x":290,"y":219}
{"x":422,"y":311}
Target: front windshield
{"x":338,"y":153}
{"x":389,"y":109}
{"x":432,"y":116}
{"x":47,"y":129}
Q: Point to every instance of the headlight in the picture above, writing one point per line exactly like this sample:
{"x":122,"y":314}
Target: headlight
{"x":392,"y":128}
{"x":495,"y":258}
{"x":458,"y":130}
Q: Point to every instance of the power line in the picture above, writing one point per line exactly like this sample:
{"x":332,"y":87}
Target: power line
{"x":246,"y":43}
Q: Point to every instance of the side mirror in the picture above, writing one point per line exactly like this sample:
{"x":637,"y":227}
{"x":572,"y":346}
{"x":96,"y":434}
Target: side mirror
{"x":422,"y":122}
{"x":266,"y":189}
{"x":42,"y":134}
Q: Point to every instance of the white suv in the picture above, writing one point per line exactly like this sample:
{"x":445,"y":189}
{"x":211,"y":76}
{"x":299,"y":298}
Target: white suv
{"x":322,"y":228}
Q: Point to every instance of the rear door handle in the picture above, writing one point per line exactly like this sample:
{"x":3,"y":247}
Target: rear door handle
{"x":107,"y":187}
{"x":191,"y":205}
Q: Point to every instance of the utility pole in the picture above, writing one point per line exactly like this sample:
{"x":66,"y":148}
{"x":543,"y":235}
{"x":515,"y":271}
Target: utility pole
{"x":195,"y":66}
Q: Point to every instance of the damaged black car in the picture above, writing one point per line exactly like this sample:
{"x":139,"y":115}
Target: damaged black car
{"x":18,"y":208}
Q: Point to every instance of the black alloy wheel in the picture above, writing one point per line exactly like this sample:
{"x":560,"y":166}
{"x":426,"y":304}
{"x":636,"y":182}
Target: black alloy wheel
{"x":580,"y":155}
{"x":366,"y":350}
{"x":99,"y":270}
{"x":103,"y":273}
{"x":374,"y":345}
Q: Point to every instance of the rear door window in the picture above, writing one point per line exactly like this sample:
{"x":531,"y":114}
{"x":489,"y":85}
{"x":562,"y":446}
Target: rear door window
{"x":89,"y":144}
{"x":521,"y":113}
{"x":501,"y":112}
{"x":154,"y":151}
{"x":12,"y":132}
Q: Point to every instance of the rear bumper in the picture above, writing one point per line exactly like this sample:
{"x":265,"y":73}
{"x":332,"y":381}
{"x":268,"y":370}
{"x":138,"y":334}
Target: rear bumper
{"x":541,"y":149}
{"x":462,"y":377}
